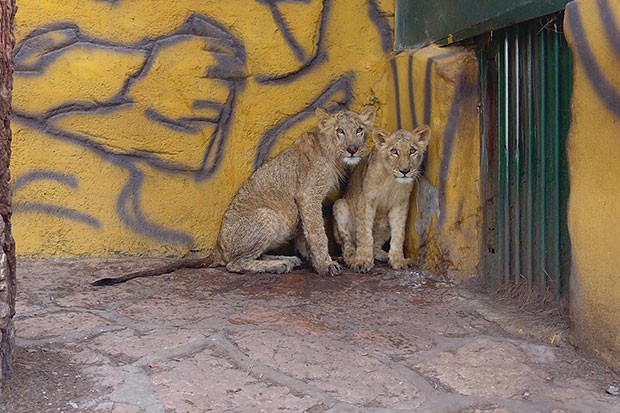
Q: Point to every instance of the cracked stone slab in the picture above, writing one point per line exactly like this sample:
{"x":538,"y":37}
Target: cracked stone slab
{"x":351,"y":374}
{"x":205,"y":339}
{"x":206,"y":382}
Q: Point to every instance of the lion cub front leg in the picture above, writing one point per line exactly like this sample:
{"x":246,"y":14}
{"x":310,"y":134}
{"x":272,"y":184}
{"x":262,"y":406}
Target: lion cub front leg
{"x":364,"y":258}
{"x":310,"y":211}
{"x":398,"y":220}
{"x":342,"y":227}
{"x":381,"y":235}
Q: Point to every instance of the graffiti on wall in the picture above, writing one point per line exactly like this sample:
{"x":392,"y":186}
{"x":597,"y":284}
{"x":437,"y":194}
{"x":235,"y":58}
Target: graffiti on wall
{"x":138,"y":120}
{"x":584,"y":51}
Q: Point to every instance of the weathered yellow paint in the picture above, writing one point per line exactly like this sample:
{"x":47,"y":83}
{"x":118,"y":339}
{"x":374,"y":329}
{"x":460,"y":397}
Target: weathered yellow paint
{"x":66,"y":78}
{"x":594,"y":167}
{"x":439,"y":86}
{"x":136,"y":121}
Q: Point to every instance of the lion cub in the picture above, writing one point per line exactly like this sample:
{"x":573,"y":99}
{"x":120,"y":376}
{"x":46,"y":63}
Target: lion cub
{"x":283,"y":196}
{"x":375,"y":205}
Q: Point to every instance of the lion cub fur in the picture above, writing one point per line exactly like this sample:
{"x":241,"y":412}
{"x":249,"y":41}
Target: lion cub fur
{"x":375,"y":205}
{"x":283,"y":197}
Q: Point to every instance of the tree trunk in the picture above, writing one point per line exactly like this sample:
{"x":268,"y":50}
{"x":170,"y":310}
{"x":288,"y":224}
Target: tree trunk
{"x":7,"y":244}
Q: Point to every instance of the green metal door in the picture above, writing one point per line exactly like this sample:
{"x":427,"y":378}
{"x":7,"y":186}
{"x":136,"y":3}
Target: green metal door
{"x":526,"y":73}
{"x":420,"y":22}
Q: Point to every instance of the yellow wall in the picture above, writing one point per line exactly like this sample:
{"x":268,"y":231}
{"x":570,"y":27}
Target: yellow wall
{"x":135,"y":121}
{"x":593,"y":148}
{"x":440,"y":87}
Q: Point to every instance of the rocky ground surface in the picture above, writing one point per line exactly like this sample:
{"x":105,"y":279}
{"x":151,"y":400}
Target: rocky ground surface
{"x":207,"y":340}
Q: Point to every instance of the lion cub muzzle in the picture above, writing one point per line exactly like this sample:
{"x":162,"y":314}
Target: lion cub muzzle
{"x":350,"y":130}
{"x":403,"y":151}
{"x":352,"y":158}
{"x":407,"y":175}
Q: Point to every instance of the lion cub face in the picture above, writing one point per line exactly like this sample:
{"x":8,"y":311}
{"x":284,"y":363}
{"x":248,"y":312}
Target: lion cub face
{"x":402,"y":151}
{"x":348,"y":131}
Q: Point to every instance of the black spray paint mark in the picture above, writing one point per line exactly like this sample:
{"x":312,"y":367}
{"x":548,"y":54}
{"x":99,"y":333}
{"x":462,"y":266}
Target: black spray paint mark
{"x":41,"y":175}
{"x":428,"y":87}
{"x":604,"y":89}
{"x":383,"y":27}
{"x":130,"y":212}
{"x":190,"y":125}
{"x":612,"y":31}
{"x":412,"y":111}
{"x":286,"y":31}
{"x":58,"y":212}
{"x":465,"y":88}
{"x":399,"y":123}
{"x":316,"y":59}
{"x":49,"y":209}
{"x":428,"y":91}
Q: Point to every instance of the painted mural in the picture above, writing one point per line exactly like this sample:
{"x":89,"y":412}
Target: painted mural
{"x":136,"y":121}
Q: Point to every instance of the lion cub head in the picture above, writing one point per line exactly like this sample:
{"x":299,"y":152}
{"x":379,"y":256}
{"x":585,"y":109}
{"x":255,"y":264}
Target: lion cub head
{"x":401,"y":152}
{"x":347,"y":131}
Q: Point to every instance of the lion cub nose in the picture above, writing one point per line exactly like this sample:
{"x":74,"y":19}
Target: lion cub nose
{"x":405,"y":171}
{"x":352,"y":149}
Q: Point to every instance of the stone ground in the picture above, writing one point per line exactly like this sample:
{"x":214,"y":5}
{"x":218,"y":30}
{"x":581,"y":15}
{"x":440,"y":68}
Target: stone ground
{"x":207,"y":340}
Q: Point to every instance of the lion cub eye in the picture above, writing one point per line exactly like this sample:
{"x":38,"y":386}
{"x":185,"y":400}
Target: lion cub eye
{"x":394,"y":152}
{"x":413,"y":152}
{"x":359,"y":131}
{"x":340,"y":132}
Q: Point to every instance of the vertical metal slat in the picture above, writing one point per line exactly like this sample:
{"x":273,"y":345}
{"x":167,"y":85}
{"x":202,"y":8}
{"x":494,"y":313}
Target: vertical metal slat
{"x":529,"y":161}
{"x":503,"y":216}
{"x":553,"y":191}
{"x":515,"y":181}
{"x":542,"y":149}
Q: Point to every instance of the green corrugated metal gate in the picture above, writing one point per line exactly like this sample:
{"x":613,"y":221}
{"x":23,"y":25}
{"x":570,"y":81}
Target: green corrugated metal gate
{"x":526,"y":79}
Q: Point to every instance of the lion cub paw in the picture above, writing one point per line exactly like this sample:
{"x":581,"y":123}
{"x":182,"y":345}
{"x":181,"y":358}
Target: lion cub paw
{"x":381,"y":256}
{"x":288,"y":266}
{"x":362,"y":264}
{"x":400,"y":263}
{"x":334,"y":269}
{"x":331,"y":269}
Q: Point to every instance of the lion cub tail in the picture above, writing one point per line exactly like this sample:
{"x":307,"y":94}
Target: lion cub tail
{"x":213,"y":257}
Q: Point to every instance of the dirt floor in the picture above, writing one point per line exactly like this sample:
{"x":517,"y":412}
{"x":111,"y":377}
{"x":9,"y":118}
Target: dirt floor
{"x":208,"y":340}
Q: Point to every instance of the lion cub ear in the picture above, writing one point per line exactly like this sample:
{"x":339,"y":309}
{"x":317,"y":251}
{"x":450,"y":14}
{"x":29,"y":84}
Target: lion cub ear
{"x":322,"y":116}
{"x":367,"y":116}
{"x":379,"y":136}
{"x":422,"y":134}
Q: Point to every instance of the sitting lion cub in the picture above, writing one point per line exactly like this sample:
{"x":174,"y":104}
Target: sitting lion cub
{"x":282,"y":196}
{"x":376,"y":202}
